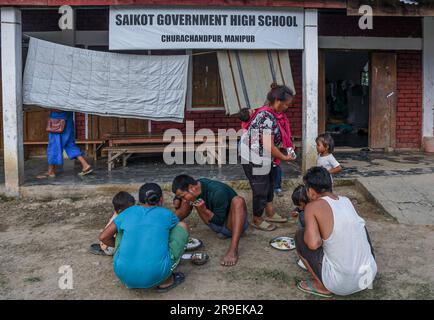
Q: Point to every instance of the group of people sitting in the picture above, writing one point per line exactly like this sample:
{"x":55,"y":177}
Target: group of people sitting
{"x":148,"y":240}
{"x":332,"y":242}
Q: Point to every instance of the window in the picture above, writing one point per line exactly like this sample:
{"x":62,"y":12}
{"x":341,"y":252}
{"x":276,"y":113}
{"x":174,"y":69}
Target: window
{"x":206,"y":91}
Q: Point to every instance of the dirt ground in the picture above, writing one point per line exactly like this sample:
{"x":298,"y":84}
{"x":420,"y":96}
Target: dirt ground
{"x":38,"y":237}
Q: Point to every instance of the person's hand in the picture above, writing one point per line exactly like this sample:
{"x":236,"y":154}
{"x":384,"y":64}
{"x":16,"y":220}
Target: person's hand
{"x":288,"y":157}
{"x":103,"y":246}
{"x":199,"y":205}
{"x":177,"y":203}
{"x":294,"y":214}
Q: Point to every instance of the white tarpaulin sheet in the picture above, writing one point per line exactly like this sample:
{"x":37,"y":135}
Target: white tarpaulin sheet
{"x":104,"y":83}
{"x":246,"y":76}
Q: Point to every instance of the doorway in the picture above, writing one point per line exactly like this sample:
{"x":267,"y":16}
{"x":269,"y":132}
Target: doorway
{"x":345,"y":97}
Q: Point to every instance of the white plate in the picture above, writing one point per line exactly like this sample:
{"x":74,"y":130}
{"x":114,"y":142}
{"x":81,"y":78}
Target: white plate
{"x":283,"y":243}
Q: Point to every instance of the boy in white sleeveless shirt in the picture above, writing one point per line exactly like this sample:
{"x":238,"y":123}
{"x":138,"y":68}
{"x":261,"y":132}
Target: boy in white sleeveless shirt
{"x":334,"y":245}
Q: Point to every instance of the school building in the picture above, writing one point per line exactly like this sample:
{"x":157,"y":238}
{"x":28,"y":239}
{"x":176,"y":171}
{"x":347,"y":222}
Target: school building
{"x":372,"y":88}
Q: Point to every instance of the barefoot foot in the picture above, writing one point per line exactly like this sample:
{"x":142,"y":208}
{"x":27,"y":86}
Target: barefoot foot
{"x":230,"y":259}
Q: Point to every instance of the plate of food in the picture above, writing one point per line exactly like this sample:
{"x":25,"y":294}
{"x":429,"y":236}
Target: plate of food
{"x":197,"y":258}
{"x":193,"y":244}
{"x":283,"y":243}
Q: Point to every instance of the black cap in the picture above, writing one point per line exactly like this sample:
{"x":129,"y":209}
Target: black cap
{"x":150,"y":193}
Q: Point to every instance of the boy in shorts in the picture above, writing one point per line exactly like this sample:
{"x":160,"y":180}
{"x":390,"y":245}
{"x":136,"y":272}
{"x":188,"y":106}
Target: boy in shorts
{"x":217,"y":204}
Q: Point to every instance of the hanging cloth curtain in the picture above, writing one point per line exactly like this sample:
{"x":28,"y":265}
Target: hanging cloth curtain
{"x":105,"y":83}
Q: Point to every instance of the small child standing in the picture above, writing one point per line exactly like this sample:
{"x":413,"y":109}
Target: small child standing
{"x":325,"y":146}
{"x":121,"y":201}
{"x":300,"y":200}
{"x":277,"y":171}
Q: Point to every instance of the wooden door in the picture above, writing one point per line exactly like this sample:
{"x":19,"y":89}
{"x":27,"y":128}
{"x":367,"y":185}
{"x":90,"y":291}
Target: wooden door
{"x":382,"y":110}
{"x":321,"y":92}
{"x":35,"y":124}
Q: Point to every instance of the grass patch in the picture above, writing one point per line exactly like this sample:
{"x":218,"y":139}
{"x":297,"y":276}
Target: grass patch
{"x":275,"y":275}
{"x":262,"y":275}
{"x":33,"y":279}
{"x":4,"y":198}
{"x":3,"y":282}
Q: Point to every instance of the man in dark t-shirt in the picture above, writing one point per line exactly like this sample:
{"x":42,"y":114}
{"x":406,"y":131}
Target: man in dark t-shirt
{"x":217,"y":204}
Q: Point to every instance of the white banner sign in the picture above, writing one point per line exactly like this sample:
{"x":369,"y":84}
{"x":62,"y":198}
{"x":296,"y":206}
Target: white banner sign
{"x":135,"y":28}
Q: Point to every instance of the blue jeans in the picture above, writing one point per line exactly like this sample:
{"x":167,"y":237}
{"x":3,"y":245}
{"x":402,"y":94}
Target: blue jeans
{"x":277,"y":177}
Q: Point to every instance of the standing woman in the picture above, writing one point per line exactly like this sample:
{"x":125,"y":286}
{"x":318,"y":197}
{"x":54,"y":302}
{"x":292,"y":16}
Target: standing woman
{"x":61,"y":136}
{"x":268,"y":131}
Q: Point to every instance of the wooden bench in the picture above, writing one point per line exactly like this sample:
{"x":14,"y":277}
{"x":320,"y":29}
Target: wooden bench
{"x":121,"y":147}
{"x":123,"y":153}
{"x":96,"y":145}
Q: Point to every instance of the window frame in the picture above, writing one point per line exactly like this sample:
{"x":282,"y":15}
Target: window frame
{"x":189,"y":100}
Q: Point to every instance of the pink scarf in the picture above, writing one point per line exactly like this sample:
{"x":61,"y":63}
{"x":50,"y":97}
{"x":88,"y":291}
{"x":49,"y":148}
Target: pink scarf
{"x":282,"y":122}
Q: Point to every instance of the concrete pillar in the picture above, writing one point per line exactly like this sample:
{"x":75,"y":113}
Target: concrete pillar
{"x":428,"y":77}
{"x":310,"y":88}
{"x":11,"y":60}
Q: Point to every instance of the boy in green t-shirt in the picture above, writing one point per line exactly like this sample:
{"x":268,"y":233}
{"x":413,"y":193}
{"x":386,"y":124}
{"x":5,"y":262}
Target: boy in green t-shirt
{"x":217,"y":204}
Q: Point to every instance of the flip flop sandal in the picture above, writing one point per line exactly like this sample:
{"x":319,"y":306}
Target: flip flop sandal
{"x":178,"y":278}
{"x":312,"y":290}
{"x":86,"y":172}
{"x":95,"y":248}
{"x":276,"y":218}
{"x":264,"y":226}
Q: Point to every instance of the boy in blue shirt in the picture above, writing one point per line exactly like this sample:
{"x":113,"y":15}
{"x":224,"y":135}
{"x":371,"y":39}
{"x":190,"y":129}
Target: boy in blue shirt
{"x":149,"y":243}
